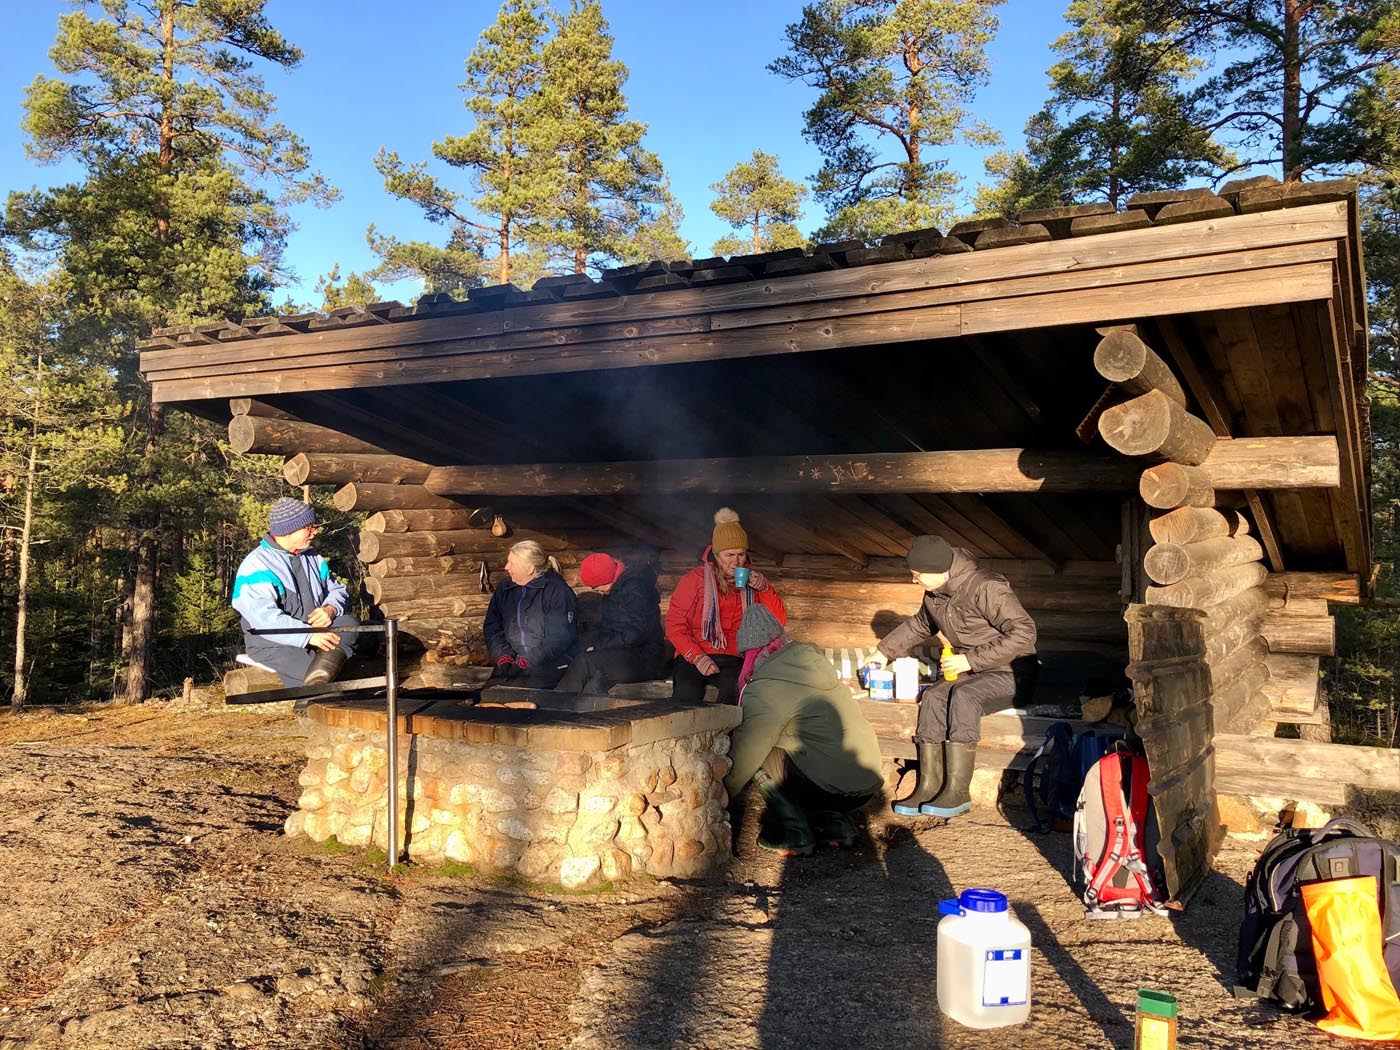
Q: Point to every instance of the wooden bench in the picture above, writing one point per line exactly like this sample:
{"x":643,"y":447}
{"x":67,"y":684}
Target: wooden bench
{"x":1009,"y":737}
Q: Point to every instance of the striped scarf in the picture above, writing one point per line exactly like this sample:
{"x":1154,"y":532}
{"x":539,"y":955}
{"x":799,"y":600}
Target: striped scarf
{"x":711,"y":627}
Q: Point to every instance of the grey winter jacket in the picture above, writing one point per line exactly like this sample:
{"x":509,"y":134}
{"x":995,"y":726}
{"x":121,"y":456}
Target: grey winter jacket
{"x":977,"y":611}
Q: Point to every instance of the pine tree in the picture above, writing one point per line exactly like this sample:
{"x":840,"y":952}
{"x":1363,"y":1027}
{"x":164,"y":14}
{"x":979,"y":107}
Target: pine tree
{"x":58,"y":438}
{"x":1119,"y":120}
{"x":658,"y":237}
{"x":754,"y":197}
{"x":895,"y":79}
{"x":608,"y":186}
{"x":355,"y":290}
{"x":1311,"y":88}
{"x":180,"y":217}
{"x":511,"y":173}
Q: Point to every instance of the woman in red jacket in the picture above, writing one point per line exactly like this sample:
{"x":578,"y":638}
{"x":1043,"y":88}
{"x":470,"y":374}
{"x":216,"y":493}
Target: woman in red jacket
{"x":702,"y":622}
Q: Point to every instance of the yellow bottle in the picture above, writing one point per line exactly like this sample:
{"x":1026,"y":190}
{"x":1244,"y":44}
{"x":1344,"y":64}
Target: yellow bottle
{"x":948,"y":676}
{"x":1156,"y":1021}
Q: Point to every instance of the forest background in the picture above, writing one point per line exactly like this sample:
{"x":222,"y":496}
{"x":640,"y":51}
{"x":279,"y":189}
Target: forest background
{"x":172,"y":191}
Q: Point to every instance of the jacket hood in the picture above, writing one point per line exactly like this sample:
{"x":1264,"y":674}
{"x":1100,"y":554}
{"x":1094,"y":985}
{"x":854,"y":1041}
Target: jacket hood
{"x":800,"y":663}
{"x":964,"y":565}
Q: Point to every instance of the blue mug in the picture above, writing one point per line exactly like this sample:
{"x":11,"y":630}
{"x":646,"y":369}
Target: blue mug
{"x":741,"y":576}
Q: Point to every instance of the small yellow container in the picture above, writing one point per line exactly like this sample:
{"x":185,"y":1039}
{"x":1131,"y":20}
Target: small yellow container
{"x":949,"y":676}
{"x":1156,"y":1021}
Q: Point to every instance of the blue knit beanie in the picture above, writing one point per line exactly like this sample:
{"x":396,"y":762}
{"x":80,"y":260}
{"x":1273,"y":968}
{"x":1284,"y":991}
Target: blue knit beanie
{"x":288,"y":515}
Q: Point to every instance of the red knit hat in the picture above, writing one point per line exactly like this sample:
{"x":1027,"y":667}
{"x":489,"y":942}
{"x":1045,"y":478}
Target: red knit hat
{"x":599,"y":570}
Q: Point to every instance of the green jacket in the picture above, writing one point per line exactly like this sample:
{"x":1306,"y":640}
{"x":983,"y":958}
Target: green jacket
{"x":795,"y":701}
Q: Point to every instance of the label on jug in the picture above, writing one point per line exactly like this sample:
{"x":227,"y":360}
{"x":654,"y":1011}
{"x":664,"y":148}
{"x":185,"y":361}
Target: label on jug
{"x":1006,"y":977}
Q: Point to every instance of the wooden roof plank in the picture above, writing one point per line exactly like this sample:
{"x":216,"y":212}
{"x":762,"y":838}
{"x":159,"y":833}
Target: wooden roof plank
{"x":1283,"y":284}
{"x":1356,"y":533}
{"x":961,"y":514}
{"x":917,"y":519}
{"x":1012,"y":538}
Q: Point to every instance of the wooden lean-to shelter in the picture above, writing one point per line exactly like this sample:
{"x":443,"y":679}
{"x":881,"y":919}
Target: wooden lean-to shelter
{"x":1152,"y":421}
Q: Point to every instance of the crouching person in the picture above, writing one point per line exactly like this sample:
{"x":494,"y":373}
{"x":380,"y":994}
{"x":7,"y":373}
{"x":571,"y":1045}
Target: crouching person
{"x":629,"y":645}
{"x":283,"y":583}
{"x":987,"y":629}
{"x":803,"y":741}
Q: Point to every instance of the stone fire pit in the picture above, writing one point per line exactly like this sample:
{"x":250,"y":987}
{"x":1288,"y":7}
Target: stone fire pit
{"x":582,"y":790}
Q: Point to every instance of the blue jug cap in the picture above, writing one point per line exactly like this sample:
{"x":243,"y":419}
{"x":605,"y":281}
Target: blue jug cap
{"x":982,"y":900}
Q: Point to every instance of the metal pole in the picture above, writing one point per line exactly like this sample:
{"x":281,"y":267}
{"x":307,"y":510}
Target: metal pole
{"x":391,"y":673}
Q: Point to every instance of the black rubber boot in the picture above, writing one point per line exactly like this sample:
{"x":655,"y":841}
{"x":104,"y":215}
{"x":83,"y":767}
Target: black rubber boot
{"x":929,"y":782}
{"x":954,"y":798}
{"x":834,"y":828}
{"x":791,"y":835}
{"x":324,"y":667}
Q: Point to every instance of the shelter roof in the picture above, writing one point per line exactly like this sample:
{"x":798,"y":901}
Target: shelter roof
{"x":979,"y":338}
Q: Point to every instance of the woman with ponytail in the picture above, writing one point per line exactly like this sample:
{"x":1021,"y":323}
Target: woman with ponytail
{"x":530,"y":628}
{"x":706,"y":609}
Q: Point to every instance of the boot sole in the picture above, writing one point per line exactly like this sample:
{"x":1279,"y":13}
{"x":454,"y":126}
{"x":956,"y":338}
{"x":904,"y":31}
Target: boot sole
{"x":908,"y":811}
{"x":788,"y":851}
{"x":944,"y":811}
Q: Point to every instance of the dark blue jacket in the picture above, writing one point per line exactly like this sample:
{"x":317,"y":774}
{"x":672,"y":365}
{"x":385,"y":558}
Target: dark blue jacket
{"x":536,"y":620}
{"x":632,"y":612}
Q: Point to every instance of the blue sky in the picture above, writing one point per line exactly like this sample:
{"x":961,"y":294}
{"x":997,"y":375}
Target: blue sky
{"x":378,"y":74}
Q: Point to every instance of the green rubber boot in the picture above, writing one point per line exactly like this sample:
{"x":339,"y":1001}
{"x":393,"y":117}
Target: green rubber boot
{"x":954,"y":799}
{"x":785,"y":828}
{"x":929,"y":782}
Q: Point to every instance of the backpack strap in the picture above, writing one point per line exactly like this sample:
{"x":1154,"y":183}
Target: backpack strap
{"x":1271,"y":962}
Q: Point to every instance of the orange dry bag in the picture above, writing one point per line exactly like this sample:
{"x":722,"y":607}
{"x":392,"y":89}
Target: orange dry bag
{"x":1347,"y":940}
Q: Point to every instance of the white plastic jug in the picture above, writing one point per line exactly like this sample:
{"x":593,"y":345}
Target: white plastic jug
{"x":984,"y":961}
{"x":906,"y":678}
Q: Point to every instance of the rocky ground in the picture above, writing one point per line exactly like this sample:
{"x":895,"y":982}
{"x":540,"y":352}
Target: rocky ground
{"x":152,"y":901}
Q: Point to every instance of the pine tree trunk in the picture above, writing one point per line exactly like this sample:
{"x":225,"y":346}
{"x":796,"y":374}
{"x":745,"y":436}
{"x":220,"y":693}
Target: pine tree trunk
{"x":26,"y":535}
{"x":21,"y":693}
{"x":143,"y":590}
{"x":1292,"y":92}
{"x":142,"y":627}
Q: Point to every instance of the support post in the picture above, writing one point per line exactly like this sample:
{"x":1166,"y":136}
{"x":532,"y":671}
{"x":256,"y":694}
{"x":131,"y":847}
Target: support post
{"x":391,"y":693}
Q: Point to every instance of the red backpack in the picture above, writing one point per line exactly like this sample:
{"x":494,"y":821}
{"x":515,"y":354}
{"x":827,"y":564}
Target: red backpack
{"x":1111,"y":823}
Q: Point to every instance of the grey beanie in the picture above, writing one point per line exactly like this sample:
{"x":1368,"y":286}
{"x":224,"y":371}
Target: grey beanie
{"x":758,"y":628}
{"x":930,"y":554}
{"x":288,"y":515}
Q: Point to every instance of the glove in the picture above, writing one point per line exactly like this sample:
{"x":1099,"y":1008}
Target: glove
{"x":522,"y":663}
{"x":503,"y":662}
{"x":757,"y":581}
{"x":877,"y":658}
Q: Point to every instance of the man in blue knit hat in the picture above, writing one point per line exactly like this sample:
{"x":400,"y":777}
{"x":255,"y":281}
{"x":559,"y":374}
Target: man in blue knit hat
{"x":284,"y":582}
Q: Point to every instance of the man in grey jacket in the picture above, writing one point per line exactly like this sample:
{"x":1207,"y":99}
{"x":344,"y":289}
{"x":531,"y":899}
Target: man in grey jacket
{"x":987,"y":629}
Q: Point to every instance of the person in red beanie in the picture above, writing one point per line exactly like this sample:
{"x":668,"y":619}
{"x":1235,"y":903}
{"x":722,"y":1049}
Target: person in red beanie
{"x":706,"y":609}
{"x":629,"y":645}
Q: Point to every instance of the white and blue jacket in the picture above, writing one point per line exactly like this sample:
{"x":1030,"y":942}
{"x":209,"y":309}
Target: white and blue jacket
{"x":265,"y":591}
